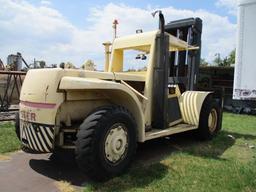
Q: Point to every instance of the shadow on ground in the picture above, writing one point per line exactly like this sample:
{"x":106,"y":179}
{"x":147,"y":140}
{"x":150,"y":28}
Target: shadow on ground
{"x":156,"y":150}
{"x":147,"y":166}
{"x":59,"y":168}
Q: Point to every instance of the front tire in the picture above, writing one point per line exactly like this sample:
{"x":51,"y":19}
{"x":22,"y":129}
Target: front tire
{"x":106,"y":142}
{"x":210,"y":119}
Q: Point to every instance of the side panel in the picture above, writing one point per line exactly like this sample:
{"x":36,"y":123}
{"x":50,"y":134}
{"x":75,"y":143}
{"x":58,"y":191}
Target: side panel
{"x":113,"y":92}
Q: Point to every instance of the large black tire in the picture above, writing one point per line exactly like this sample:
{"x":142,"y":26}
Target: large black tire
{"x":17,"y":125}
{"x":210,"y":119}
{"x":96,"y":136}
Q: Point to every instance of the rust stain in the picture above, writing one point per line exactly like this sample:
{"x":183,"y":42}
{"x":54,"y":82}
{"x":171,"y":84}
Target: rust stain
{"x":46,"y":93}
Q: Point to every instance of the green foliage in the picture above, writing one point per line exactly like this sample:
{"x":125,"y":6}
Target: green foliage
{"x":8,"y":139}
{"x":227,"y":61}
{"x":217,"y":60}
{"x":203,"y":62}
{"x":67,"y":65}
{"x":232,"y":57}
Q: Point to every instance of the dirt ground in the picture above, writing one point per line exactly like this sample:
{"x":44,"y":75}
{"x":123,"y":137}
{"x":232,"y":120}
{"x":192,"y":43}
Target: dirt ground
{"x":41,"y":172}
{"x":36,"y":172}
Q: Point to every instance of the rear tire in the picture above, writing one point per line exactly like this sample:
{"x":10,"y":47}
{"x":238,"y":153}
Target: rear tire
{"x":17,"y":125}
{"x":210,"y":119}
{"x":106,"y":142}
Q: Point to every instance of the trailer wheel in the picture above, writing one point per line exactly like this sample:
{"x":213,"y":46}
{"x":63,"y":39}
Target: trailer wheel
{"x":209,"y":122}
{"x":17,"y":125}
{"x":106,"y":142}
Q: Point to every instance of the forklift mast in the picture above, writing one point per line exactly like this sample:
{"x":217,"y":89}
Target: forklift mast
{"x":180,"y":67}
{"x":184,"y":65}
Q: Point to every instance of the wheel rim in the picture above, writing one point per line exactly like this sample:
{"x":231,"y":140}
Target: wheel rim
{"x":212,"y":120}
{"x":116,"y":143}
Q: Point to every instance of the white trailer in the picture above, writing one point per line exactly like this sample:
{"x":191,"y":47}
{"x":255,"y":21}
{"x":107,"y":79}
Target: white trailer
{"x":245,"y":67}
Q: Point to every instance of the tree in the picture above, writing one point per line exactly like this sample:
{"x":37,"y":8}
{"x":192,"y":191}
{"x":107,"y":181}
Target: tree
{"x":232,"y":57}
{"x":70,"y":65}
{"x":143,"y":68}
{"x":42,"y":64}
{"x":227,"y":61}
{"x":131,"y":70}
{"x":217,"y":60}
{"x":53,"y":65}
{"x":67,"y":65}
{"x":203,"y":62}
{"x":89,"y":65}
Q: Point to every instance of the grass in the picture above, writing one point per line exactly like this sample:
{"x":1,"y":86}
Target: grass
{"x":8,"y":139}
{"x":227,"y":163}
{"x":64,"y":186}
{"x":180,"y":163}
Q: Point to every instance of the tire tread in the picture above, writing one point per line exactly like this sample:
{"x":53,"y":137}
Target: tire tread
{"x":85,"y":145}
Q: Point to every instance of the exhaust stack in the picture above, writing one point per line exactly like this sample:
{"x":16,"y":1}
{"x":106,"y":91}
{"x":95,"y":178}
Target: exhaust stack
{"x":160,"y":76}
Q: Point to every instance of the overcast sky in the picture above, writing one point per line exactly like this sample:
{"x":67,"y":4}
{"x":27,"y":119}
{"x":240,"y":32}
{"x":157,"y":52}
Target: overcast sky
{"x":64,"y":30}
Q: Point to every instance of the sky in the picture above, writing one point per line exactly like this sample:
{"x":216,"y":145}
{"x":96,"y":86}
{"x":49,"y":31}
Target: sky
{"x":62,"y":30}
